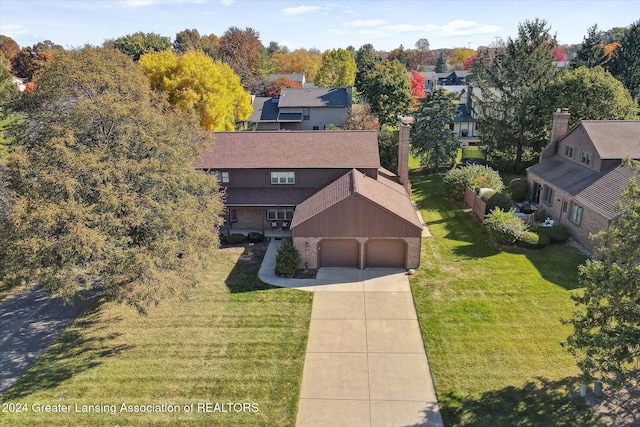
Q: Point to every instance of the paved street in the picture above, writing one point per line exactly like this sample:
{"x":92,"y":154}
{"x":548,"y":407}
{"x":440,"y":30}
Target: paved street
{"x":29,"y":323}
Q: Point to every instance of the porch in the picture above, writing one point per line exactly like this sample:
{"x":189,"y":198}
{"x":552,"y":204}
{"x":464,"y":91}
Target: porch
{"x":275,"y":233}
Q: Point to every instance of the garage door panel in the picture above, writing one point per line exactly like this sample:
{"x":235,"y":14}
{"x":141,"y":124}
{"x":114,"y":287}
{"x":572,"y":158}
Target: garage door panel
{"x":385,"y":253}
{"x":339,"y":253}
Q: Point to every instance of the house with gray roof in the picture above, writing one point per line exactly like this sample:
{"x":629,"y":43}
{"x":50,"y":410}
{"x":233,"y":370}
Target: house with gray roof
{"x":325,"y":189}
{"x":580,"y":176}
{"x":302,"y":109}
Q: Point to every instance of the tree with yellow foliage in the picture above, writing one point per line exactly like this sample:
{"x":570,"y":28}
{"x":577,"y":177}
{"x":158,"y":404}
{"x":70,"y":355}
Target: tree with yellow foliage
{"x":195,"y":81}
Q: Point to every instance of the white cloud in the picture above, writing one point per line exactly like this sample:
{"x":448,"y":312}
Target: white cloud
{"x":461,"y":27}
{"x":365,"y":23}
{"x":299,"y":10}
{"x":13,"y":30}
{"x":227,"y":2}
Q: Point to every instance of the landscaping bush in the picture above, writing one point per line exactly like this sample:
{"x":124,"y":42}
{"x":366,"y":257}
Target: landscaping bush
{"x":475,"y":176}
{"x":255,"y":237}
{"x":224,"y":240}
{"x":503,"y":227}
{"x":533,"y":240}
{"x":558,"y":234}
{"x":496,"y":199}
{"x":236,"y":239}
{"x":287,"y":258}
{"x":519,"y":189}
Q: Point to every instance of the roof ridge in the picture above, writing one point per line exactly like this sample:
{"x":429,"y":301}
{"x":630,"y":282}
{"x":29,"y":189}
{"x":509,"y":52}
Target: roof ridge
{"x":354,"y":181}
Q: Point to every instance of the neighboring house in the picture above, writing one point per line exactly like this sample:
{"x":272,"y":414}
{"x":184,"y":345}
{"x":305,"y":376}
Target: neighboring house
{"x":325,"y":189}
{"x":301,"y":109}
{"x":579,"y":177}
{"x":464,"y":126}
{"x":19,"y":83}
{"x":450,"y":78}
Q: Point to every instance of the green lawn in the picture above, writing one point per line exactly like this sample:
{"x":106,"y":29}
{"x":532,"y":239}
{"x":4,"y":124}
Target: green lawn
{"x":491,"y":322}
{"x":236,"y":340}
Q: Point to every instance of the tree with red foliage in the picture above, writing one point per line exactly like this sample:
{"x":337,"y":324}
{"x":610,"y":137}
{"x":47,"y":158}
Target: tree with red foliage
{"x":469,"y":61}
{"x":417,"y":86}
{"x":281,"y":83}
{"x":30,"y":87}
{"x":559,"y":54}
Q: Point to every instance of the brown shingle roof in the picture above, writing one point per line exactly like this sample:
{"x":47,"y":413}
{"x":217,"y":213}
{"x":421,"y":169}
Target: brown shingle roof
{"x":261,"y":196}
{"x":614,"y":139}
{"x":379,"y":191}
{"x":599,"y":191}
{"x":291,"y":149}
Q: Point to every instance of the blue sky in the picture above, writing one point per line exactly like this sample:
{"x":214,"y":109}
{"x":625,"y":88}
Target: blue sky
{"x":310,"y":24}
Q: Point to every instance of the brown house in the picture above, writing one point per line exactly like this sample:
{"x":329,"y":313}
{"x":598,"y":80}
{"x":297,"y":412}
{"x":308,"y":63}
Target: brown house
{"x":579,"y":177}
{"x":325,"y":189}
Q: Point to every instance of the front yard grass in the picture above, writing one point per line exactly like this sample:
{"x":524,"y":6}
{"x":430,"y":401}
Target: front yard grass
{"x":236,"y":340}
{"x":490,"y":320}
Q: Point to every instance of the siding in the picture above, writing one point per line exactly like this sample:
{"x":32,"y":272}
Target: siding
{"x":304,"y":177}
{"x":356,"y":216}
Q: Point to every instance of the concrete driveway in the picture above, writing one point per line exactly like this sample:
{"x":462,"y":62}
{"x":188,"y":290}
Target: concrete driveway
{"x":365,"y":363}
{"x":29,"y":323}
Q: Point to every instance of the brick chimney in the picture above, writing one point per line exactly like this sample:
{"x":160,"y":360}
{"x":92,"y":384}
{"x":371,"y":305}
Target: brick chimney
{"x":559,"y":128}
{"x":403,"y":155}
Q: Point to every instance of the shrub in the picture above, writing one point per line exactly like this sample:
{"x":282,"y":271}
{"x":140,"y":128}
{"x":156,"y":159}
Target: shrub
{"x":496,"y":199}
{"x":503,"y":227}
{"x":519,"y":189}
{"x":255,"y":237}
{"x":287,"y":258}
{"x":558,"y":234}
{"x":224,"y":240}
{"x":236,"y":239}
{"x":533,"y":240}
{"x":476,"y":176}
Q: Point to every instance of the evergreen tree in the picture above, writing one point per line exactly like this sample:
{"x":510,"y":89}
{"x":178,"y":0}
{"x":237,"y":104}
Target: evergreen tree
{"x":102,"y":186}
{"x":513,"y":116}
{"x":625,"y":64}
{"x":366,"y":60}
{"x":442,"y":65}
{"x":432,"y":139}
{"x":606,"y":329}
{"x":591,"y":52}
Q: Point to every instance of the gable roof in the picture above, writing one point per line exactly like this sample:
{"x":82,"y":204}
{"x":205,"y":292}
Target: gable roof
{"x":600,"y":191}
{"x":291,"y":149}
{"x":264,"y":109}
{"x":613,"y":139}
{"x":388,"y":195}
{"x":322,"y":97}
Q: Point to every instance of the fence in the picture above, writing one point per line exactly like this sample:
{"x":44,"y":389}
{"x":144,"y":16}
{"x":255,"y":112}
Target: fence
{"x":474,"y":201}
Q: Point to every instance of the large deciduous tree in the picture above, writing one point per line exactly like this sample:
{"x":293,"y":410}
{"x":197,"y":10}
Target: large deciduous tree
{"x":625,"y":62}
{"x":432,"y":139}
{"x":417,"y":86}
{"x":591,"y":94}
{"x":338,"y":69}
{"x":513,"y":118}
{"x":276,"y":86}
{"x":194,"y":81}
{"x":387,"y":88}
{"x":302,"y":61}
{"x":102,"y":187}
{"x":360,"y":118}
{"x":32,"y":60}
{"x":606,"y":328}
{"x":137,"y":44}
{"x":241,"y":50}
{"x":8,"y":47}
{"x":9,"y":118}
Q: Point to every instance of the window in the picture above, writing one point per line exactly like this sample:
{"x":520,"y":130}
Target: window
{"x":568,"y":151}
{"x":305,"y":113}
{"x":548,"y":195}
{"x":232,"y":215}
{"x":576,"y":213}
{"x":564,"y":206}
{"x":586,"y":158}
{"x":283,"y":177}
{"x":224,"y":177}
{"x":316,"y":128}
{"x":279,"y":214}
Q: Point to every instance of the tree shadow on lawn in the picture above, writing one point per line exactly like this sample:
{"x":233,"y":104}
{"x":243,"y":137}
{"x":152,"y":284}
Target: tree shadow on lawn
{"x":244,"y":275}
{"x":540,"y":402}
{"x":72,"y":353}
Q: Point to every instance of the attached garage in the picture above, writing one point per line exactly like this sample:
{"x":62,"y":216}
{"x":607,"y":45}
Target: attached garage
{"x":338,"y":253}
{"x":390,"y":253}
{"x":358,"y":221}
